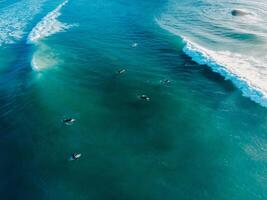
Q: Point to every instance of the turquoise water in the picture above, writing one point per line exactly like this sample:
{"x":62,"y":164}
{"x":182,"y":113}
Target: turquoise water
{"x":199,"y":137}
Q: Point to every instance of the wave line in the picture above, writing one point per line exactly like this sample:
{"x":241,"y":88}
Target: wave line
{"x":49,"y":25}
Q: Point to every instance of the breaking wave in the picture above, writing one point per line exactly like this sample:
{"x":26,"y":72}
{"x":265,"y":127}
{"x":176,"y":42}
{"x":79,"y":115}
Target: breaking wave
{"x":234,"y":67}
{"x":49,"y":25}
{"x":234,"y":47}
{"x":45,"y":57}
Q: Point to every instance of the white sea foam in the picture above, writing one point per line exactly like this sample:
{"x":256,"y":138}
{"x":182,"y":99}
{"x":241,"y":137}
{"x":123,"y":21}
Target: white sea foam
{"x":15,"y":18}
{"x":44,"y":57}
{"x":246,"y":73}
{"x":234,"y":47}
{"x":49,"y":25}
{"x":238,"y":68}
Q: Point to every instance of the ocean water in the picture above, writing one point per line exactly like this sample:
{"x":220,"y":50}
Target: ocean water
{"x":201,"y":136}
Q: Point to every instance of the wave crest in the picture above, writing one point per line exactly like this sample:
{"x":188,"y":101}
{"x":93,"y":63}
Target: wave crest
{"x":234,"y":67}
{"x":49,"y":25}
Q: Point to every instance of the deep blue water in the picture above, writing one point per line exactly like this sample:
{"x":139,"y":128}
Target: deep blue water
{"x":200,"y":136}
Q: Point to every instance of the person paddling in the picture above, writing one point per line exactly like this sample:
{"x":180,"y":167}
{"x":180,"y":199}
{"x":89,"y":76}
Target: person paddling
{"x":121,"y":71}
{"x":75,"y":156}
{"x":165,"y":81}
{"x":144,"y":97}
{"x":68,"y":121}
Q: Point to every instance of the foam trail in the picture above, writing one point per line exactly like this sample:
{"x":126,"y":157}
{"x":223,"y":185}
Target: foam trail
{"x":15,"y":18}
{"x":234,"y":67}
{"x":49,"y":25}
{"x":44,"y":57}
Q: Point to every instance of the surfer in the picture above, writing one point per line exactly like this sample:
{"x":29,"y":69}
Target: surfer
{"x":75,"y":156}
{"x":165,"y":81}
{"x":144,"y":97}
{"x":121,"y":71}
{"x":68,"y":121}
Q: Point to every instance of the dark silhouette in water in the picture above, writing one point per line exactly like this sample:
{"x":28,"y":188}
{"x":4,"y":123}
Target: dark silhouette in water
{"x":144,"y":97}
{"x":68,"y":121}
{"x":239,"y":13}
{"x":75,"y":156}
{"x":121,"y":71}
{"x":165,"y":81}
